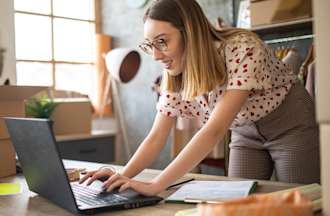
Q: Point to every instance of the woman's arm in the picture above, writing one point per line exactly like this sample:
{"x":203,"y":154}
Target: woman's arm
{"x":200,"y":145}
{"x":150,"y":147}
{"x":204,"y":141}
{"x":144,"y":156}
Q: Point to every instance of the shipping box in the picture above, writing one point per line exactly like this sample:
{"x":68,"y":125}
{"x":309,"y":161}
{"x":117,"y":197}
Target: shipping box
{"x":7,"y":158}
{"x":72,"y":116}
{"x":265,"y":12}
{"x":12,"y":104}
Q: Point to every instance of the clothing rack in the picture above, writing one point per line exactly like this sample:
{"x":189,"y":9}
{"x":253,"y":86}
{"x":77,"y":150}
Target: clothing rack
{"x":288,"y":39}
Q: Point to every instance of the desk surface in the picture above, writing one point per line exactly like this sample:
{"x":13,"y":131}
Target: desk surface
{"x":29,"y":203}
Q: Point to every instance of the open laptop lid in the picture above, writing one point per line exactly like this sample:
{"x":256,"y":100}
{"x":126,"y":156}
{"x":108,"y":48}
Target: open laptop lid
{"x":43,"y":169}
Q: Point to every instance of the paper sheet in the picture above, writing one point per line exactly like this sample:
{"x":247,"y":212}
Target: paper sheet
{"x":212,"y":191}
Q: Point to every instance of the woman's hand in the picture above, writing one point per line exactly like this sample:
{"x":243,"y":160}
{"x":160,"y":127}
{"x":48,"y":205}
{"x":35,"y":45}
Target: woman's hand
{"x":105,"y":171}
{"x":123,"y":182}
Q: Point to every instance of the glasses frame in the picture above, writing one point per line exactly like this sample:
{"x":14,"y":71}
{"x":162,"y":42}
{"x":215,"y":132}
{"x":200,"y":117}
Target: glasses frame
{"x":159,"y":44}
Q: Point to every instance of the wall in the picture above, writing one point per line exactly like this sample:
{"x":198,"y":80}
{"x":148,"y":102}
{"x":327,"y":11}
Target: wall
{"x":126,"y":27}
{"x":7,"y":41}
{"x":322,"y":45}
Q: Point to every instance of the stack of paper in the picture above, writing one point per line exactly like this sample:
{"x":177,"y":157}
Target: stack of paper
{"x":311,"y":191}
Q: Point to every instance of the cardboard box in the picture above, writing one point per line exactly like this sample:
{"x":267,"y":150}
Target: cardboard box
{"x":7,"y":158}
{"x":72,"y":116}
{"x":265,"y":12}
{"x":12,"y":104}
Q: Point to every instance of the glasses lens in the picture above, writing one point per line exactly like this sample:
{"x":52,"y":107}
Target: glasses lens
{"x":160,"y":45}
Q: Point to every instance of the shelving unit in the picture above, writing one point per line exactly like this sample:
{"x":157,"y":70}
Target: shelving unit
{"x":301,"y":24}
{"x":292,"y":31}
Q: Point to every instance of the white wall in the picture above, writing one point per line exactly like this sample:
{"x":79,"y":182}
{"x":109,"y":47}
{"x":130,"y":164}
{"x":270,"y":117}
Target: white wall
{"x":322,"y":45}
{"x":7,"y":40}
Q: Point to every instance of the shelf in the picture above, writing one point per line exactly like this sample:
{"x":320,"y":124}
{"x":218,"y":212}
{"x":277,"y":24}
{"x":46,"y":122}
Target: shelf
{"x":301,"y":24}
{"x":82,"y":136}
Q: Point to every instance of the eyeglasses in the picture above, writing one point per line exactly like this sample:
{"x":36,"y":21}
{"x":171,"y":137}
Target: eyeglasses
{"x":159,"y":44}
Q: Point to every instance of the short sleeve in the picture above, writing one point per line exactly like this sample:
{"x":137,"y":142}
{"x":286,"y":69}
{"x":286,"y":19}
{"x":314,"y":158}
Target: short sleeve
{"x":169,"y":104}
{"x":246,"y":63}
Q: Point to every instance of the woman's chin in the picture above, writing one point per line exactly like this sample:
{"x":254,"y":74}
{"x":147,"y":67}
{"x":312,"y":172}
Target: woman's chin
{"x":173,"y":72}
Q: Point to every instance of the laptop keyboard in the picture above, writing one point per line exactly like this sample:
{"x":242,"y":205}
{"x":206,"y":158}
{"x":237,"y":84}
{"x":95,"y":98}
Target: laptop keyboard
{"x":90,"y":196}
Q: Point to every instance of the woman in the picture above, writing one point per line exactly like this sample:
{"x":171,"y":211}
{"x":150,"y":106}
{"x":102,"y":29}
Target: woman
{"x":227,"y":79}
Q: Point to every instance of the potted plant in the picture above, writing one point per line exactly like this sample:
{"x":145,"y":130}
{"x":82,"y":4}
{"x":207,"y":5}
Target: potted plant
{"x":40,"y":107}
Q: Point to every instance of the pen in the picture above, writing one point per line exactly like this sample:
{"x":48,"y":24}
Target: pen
{"x":201,"y":200}
{"x":180,"y":183}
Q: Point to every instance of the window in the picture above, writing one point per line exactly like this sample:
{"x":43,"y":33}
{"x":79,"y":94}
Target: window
{"x":55,"y":44}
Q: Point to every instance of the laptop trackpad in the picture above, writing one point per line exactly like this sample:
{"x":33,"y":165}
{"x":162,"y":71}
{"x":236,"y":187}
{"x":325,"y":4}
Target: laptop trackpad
{"x":128,"y":193}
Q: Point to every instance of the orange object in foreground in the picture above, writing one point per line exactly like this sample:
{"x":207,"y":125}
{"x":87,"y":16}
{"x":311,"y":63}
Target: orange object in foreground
{"x":73,"y":174}
{"x":290,"y":203}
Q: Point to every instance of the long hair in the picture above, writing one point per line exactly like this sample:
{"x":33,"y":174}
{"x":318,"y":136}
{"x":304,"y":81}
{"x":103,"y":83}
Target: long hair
{"x":203,"y":62}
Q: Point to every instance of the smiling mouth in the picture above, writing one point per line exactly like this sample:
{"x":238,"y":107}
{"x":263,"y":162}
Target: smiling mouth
{"x":167,"y":64}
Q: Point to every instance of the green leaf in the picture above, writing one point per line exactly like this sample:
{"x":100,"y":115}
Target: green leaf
{"x":40,"y":108}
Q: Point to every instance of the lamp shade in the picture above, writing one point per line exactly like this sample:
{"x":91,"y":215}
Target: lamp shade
{"x":123,"y":64}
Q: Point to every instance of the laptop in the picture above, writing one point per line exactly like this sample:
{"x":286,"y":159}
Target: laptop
{"x":45,"y":174}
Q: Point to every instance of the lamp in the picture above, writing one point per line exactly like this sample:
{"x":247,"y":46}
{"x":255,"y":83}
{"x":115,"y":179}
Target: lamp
{"x":122,"y":64}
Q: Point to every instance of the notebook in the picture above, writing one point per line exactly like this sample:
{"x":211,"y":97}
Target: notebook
{"x":10,"y":189}
{"x":212,"y":191}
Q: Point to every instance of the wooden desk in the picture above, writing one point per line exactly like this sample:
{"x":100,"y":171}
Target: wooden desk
{"x":30,"y":204}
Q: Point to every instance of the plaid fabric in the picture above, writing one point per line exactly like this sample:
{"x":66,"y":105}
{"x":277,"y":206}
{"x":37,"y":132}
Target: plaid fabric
{"x":286,"y":140}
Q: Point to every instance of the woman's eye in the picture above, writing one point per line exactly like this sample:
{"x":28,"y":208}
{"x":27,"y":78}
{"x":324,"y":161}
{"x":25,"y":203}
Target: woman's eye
{"x":161,"y":42}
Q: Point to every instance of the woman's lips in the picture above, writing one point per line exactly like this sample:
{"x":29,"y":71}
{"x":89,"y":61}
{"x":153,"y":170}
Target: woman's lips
{"x":167,"y":64}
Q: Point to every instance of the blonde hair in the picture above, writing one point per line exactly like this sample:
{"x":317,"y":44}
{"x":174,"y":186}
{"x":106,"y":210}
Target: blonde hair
{"x":204,"y":63}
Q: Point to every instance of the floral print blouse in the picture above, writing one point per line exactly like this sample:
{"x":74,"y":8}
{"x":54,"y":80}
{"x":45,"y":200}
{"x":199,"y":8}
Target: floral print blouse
{"x":251,"y":66}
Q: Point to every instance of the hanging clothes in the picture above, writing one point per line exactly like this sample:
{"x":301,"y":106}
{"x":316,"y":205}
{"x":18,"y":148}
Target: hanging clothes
{"x":293,"y":59}
{"x":281,"y":52}
{"x":310,"y":80}
{"x":302,"y":75}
